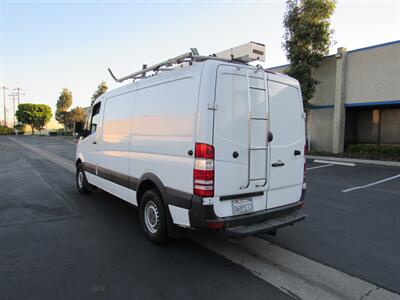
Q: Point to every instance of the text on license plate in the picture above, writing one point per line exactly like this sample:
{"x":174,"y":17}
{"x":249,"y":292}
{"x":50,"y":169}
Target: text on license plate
{"x":242,"y":206}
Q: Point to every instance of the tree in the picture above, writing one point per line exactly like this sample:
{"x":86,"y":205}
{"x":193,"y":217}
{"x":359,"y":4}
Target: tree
{"x":307,"y":39}
{"x":77,"y":114}
{"x":44,"y":115}
{"x":101,"y":89}
{"x":34,"y":115}
{"x":64,"y":102}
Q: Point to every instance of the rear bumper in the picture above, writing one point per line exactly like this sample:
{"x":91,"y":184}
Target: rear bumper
{"x":269,"y":225}
{"x":201,"y":216}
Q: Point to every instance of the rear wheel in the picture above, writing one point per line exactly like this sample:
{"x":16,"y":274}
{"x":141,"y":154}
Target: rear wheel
{"x":153,"y":217}
{"x":82,"y":184}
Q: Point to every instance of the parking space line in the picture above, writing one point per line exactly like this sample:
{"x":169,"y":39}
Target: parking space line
{"x":347,"y":164}
{"x":370,"y":184}
{"x":319,"y":167}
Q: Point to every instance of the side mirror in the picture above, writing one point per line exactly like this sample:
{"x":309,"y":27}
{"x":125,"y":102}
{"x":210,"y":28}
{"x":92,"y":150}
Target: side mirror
{"x":84,"y":133}
{"x":78,"y":128}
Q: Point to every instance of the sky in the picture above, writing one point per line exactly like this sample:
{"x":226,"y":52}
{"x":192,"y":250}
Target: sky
{"x":48,"y":45}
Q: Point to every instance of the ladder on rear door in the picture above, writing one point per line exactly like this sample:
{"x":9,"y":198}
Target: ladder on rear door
{"x":257,"y":126}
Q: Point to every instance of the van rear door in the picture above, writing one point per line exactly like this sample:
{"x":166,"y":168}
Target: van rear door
{"x":240,"y":140}
{"x":288,"y":128}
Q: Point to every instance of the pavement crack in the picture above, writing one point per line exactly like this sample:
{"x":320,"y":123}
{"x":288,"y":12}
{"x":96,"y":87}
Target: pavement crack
{"x":369,"y":292}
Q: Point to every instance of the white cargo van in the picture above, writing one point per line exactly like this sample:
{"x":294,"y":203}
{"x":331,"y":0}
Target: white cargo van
{"x":213,"y":144}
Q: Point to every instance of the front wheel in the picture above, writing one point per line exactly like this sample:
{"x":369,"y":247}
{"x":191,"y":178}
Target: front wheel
{"x":81,"y":182}
{"x":153,"y":217}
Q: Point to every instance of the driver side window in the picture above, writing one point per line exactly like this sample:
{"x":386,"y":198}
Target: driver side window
{"x":95,"y":119}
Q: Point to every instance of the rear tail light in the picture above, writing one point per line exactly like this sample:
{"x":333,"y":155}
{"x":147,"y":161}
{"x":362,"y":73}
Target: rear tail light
{"x":204,"y":151}
{"x":203,"y":173}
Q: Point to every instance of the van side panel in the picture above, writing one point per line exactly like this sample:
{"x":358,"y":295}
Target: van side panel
{"x":163,"y":125}
{"x":288,"y":128}
{"x":113,"y":146}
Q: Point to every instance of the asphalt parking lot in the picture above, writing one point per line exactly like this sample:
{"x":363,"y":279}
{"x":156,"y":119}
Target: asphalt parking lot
{"x":59,"y":244}
{"x":358,"y":231}
{"x":63,"y":245}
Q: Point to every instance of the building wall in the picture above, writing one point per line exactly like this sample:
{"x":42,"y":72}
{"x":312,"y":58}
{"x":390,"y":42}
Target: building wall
{"x":373,"y":74}
{"x":371,"y":81}
{"x":320,"y":122}
{"x":325,"y":90}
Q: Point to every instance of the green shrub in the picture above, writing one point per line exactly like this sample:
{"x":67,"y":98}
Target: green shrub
{"x":4,"y":130}
{"x":53,"y":133}
{"x":365,"y":151}
{"x":20,"y":128}
{"x":370,"y":151}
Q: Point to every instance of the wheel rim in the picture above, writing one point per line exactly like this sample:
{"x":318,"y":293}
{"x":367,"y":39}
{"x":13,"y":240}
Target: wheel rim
{"x":151,"y":216}
{"x":80,"y":179}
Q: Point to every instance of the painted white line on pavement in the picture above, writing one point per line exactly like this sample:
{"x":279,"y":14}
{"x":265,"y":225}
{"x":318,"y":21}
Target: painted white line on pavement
{"x":319,"y":167}
{"x":292,"y":273}
{"x":370,"y":184}
{"x":296,"y":275}
{"x":339,"y":163}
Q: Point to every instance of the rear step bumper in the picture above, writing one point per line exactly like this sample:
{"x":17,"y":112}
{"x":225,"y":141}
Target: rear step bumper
{"x":262,"y":221}
{"x":267,"y":226}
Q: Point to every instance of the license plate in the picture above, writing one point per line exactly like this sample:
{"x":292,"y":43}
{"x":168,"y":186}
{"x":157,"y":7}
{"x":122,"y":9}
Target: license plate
{"x":242,"y":206}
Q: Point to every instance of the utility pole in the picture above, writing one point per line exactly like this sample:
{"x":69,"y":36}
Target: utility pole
{"x":13,"y":96}
{"x":5,"y":104}
{"x":17,"y":93}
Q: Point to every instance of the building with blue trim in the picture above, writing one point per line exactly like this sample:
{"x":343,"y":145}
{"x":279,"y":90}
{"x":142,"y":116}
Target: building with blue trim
{"x":357,"y":99}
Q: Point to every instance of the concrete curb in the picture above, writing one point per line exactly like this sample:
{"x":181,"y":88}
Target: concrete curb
{"x":354,"y":160}
{"x":296,"y":275}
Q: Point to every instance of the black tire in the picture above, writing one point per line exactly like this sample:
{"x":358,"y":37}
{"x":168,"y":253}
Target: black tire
{"x":153,"y":217}
{"x":82,"y":184}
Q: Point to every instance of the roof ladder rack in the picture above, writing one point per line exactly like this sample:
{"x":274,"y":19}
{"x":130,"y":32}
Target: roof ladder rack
{"x":142,"y":73}
{"x":242,"y":54}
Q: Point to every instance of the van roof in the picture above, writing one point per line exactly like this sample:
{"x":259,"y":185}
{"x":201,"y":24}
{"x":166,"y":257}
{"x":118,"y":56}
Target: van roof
{"x":188,"y":68}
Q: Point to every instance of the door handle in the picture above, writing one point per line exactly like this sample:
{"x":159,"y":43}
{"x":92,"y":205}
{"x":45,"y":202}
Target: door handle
{"x":270,"y":136}
{"x":278,"y":164}
{"x":94,"y":142}
{"x":297,"y":152}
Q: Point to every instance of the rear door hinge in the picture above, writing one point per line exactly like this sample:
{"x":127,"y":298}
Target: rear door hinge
{"x":212,"y":106}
